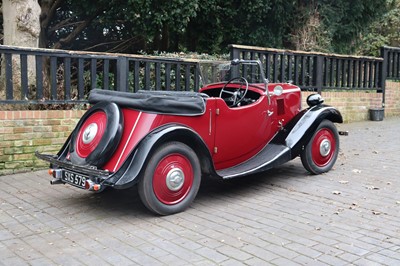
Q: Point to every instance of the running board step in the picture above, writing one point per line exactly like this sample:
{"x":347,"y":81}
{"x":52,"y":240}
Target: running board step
{"x":270,"y":156}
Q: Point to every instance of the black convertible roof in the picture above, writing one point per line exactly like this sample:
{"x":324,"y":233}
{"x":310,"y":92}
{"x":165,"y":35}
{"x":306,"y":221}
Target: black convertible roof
{"x":161,"y":102}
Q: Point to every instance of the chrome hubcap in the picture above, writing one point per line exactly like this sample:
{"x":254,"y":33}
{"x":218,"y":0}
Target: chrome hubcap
{"x":175,"y":179}
{"x":325,"y":147}
{"x":89,"y":133}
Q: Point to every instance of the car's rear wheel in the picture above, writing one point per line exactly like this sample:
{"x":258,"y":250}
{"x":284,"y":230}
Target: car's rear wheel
{"x":321,"y":152}
{"x":171,"y":179}
{"x":97,"y":135}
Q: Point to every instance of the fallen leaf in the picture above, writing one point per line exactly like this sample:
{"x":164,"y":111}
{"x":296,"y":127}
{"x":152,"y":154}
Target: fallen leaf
{"x":371,"y":187}
{"x":353,"y":206}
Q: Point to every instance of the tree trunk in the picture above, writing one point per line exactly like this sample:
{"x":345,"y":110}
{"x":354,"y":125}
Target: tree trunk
{"x":165,"y":38}
{"x":21,"y":28}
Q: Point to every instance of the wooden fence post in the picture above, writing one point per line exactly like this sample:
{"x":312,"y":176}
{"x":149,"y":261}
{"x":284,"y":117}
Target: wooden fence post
{"x":8,"y":76}
{"x":122,"y":74}
{"x":383,"y":72}
{"x":319,"y":73}
{"x":234,"y":54}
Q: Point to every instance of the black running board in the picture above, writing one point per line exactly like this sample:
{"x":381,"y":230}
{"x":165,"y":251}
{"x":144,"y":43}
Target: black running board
{"x":269,"y":157}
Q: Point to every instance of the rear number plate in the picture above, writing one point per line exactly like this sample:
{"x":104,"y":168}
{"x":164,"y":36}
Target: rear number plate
{"x":74,"y":179}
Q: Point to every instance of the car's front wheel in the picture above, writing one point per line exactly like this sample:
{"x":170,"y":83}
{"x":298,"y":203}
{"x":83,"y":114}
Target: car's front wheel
{"x":321,"y":152}
{"x":171,"y":179}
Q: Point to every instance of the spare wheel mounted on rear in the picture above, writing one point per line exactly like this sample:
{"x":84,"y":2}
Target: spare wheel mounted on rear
{"x":97,"y":135}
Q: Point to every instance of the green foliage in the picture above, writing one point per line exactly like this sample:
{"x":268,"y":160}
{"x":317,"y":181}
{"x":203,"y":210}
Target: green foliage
{"x":253,"y":22}
{"x":346,"y":20}
{"x":210,"y":25}
{"x":384,"y":31}
{"x":124,"y":26}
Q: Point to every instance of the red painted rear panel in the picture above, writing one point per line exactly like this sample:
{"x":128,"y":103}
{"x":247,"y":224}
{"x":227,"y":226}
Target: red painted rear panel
{"x":232,"y":135}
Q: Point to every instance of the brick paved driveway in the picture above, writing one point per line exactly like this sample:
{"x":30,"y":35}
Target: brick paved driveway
{"x":350,"y":215}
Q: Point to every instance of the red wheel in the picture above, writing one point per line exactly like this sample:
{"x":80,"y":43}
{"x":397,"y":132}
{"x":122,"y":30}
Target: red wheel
{"x":321,"y":152}
{"x":171,"y":179}
{"x":97,"y":135}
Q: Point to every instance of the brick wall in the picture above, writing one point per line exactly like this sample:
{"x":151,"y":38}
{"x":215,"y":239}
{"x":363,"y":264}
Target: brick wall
{"x":354,"y":106}
{"x":23,"y":132}
{"x":392,"y":107}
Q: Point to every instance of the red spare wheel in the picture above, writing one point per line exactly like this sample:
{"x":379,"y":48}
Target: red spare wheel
{"x":97,"y":135}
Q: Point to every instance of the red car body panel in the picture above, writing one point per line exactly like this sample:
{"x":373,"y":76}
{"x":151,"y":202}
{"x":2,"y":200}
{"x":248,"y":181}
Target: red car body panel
{"x":136,"y":126}
{"x":232,"y":135}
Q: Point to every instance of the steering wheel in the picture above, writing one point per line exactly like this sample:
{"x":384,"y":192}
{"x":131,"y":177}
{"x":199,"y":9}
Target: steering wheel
{"x":237,"y":95}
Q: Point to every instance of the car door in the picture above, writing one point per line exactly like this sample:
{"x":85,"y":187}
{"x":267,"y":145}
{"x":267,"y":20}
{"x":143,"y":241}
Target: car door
{"x":241,"y":132}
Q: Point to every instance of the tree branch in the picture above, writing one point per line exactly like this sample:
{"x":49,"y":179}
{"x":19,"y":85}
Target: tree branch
{"x":102,"y":44}
{"x":48,"y":11}
{"x":62,"y":24}
{"x":124,"y":45}
{"x":72,"y":36}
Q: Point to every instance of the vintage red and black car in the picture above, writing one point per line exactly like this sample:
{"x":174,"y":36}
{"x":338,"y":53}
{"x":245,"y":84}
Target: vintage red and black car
{"x":165,"y":142}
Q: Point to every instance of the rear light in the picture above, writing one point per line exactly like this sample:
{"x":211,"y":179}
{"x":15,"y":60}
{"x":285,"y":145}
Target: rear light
{"x":88,"y":184}
{"x":91,"y":186}
{"x":56,"y":173}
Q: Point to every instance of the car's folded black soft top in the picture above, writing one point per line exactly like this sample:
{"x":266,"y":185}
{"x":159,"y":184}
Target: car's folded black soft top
{"x":163,"y":102}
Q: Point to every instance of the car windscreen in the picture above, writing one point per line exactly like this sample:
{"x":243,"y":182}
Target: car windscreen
{"x":222,"y":71}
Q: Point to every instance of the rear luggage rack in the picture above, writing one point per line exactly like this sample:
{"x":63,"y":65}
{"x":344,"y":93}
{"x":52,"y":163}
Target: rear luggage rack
{"x":84,"y":169}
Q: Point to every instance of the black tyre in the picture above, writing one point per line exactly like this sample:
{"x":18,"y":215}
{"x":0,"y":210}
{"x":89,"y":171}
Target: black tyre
{"x":97,"y":135}
{"x":321,"y":152}
{"x":171,"y":179}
